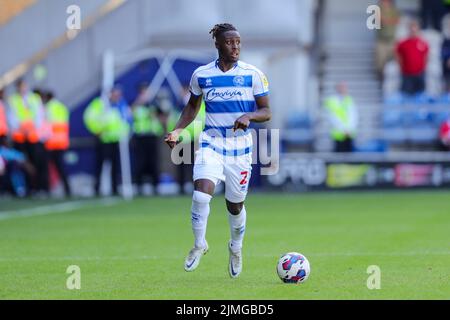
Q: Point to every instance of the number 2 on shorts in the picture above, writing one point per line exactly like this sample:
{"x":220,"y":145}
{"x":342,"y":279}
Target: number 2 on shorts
{"x":244,"y":178}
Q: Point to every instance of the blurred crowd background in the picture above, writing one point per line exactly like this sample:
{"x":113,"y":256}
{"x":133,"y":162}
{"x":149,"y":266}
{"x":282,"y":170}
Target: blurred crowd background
{"x":83,"y":110}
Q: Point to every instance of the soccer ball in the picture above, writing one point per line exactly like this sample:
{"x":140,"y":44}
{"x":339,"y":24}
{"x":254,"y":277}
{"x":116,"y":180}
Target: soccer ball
{"x":293,"y":267}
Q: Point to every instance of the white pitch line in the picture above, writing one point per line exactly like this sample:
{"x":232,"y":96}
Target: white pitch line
{"x":55,"y":208}
{"x":75,"y":258}
{"x":146,"y":257}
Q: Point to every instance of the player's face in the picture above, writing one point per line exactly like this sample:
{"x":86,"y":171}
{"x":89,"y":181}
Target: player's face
{"x":229,"y":46}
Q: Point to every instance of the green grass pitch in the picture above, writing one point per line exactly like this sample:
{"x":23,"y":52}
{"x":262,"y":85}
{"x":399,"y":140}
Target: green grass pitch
{"x":136,"y":250}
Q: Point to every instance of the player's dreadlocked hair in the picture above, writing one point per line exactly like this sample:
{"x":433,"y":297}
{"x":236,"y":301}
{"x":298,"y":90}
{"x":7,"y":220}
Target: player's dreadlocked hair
{"x":218,"y":29}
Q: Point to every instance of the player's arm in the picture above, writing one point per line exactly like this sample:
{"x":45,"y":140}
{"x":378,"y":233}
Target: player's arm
{"x":262,"y":114}
{"x":187,"y":116}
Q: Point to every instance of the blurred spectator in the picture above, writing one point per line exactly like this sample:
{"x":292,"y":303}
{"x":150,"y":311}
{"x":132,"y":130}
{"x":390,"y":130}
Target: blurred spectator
{"x":147,"y":131}
{"x":343,"y":118}
{"x":432,"y":12}
{"x":194,"y":129}
{"x":58,"y":142}
{"x":3,"y":120}
{"x":3,"y":140}
{"x":13,"y":165}
{"x":444,"y":136}
{"x":445,"y":52}
{"x":108,"y":119}
{"x":384,"y":50}
{"x":28,"y":132}
{"x":412,"y":56}
{"x":169,"y":116}
{"x":3,"y":180}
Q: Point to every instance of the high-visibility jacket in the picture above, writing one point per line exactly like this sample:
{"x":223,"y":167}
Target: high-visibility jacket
{"x":28,"y":117}
{"x":193,"y":130}
{"x":105,"y":122}
{"x":343,"y":117}
{"x":146,"y":122}
{"x":3,"y":121}
{"x":58,"y":120}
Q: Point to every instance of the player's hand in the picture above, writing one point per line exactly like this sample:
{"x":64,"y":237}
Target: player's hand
{"x":172,"y":138}
{"x":242,"y":122}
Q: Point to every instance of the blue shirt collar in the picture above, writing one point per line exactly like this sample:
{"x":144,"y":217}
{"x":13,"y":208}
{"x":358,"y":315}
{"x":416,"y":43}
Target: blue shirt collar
{"x":234,"y":66}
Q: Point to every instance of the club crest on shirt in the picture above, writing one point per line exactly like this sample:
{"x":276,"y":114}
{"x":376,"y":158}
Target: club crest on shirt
{"x":238,"y":81}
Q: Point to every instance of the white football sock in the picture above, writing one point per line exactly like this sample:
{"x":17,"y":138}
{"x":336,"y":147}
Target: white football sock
{"x":237,"y":229}
{"x":200,"y":213}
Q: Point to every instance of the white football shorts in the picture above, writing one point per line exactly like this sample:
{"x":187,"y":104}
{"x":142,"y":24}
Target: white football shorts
{"x":234,"y":171}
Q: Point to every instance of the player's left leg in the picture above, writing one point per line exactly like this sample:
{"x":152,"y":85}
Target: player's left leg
{"x":236,"y":187}
{"x":237,"y":217}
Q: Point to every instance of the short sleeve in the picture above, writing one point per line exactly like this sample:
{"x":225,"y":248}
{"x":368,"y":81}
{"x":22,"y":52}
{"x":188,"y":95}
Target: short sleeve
{"x":194,"y":87}
{"x":260,"y":84}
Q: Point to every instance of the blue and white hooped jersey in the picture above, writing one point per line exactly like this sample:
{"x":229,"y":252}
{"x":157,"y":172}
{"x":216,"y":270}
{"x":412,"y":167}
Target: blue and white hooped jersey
{"x":228,"y":95}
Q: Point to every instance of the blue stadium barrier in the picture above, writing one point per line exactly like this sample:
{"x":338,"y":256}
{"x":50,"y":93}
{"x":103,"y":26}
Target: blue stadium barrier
{"x":391,"y":119}
{"x":439,"y":117}
{"x":422,"y":135}
{"x":394,"y":136}
{"x":376,"y":145}
{"x":297,"y":130}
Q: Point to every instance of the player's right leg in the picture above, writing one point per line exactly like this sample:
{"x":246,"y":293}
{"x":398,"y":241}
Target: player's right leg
{"x":237,"y":174}
{"x":199,"y":218}
{"x":208,"y":171}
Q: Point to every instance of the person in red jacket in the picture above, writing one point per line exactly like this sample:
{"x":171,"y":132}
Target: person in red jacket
{"x":412,"y":56}
{"x":444,"y":135}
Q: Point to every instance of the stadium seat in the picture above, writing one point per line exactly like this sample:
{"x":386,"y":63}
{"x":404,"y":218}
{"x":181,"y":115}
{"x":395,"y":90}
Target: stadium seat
{"x":393,"y":99}
{"x":394,"y":136}
{"x":298,"y":130}
{"x":445,"y":98}
{"x":298,"y":120}
{"x":391,"y":119}
{"x":418,"y":118}
{"x":438,"y":117}
{"x":297,"y":136}
{"x":423,"y":135}
{"x":375,"y":145}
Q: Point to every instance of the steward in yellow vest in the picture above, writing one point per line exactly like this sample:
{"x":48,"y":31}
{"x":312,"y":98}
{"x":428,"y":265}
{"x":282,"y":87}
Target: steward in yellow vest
{"x":27,"y":115}
{"x":193,"y":130}
{"x":189,"y":137}
{"x":110,"y":122}
{"x":105,"y":122}
{"x":57,"y":118}
{"x":343,"y":119}
{"x":147,"y":132}
{"x":29,"y":132}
